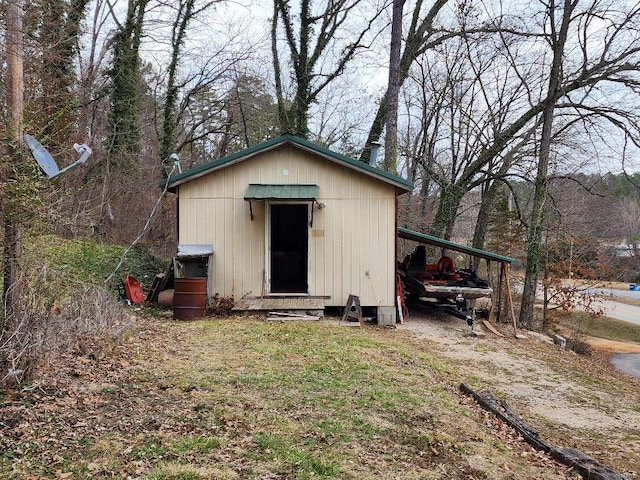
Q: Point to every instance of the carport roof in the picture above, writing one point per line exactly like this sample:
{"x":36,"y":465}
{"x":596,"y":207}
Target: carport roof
{"x":440,"y":242}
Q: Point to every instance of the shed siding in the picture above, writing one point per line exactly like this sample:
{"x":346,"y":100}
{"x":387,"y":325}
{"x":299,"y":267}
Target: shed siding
{"x":354,"y":234}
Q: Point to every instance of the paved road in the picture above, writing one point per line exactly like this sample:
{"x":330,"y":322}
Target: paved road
{"x":617,"y":293}
{"x":626,"y":362}
{"x":621,"y":311}
{"x":617,"y":310}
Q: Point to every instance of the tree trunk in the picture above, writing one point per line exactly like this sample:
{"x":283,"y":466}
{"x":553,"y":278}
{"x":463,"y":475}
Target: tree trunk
{"x":393,"y":91}
{"x":540,"y":195}
{"x":58,"y":38}
{"x":303,"y":75}
{"x":420,"y":33}
{"x":169,"y":120}
{"x":484,"y":215}
{"x":450,"y":198}
{"x":124,"y":138}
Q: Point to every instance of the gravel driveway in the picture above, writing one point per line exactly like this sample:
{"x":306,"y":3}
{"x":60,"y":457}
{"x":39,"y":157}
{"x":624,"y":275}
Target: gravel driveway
{"x":568,"y":395}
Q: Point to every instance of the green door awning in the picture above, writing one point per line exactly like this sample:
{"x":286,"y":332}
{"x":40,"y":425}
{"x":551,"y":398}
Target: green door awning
{"x":257,"y":192}
{"x":291,"y":193}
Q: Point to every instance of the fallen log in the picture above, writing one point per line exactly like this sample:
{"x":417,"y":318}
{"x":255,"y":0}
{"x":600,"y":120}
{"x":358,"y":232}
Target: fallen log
{"x":488,"y":401}
{"x":588,"y":467}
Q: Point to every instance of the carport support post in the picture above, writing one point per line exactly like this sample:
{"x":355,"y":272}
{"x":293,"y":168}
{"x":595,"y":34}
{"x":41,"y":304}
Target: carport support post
{"x":498,"y":303}
{"x":495,"y":293}
{"x":510,"y":300}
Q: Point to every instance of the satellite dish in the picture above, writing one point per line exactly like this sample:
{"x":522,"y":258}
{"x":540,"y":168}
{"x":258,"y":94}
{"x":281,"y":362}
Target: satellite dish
{"x":42,"y":156}
{"x":46,"y":161}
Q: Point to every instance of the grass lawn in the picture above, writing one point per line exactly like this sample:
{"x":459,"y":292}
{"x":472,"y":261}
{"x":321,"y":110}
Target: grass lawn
{"x":243,"y":398}
{"x":599,"y":327}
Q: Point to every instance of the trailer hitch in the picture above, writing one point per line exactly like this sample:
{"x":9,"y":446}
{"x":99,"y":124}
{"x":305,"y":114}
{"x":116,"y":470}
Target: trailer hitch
{"x":462,"y":311}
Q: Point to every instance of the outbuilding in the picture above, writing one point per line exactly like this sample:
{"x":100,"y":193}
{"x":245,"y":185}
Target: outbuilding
{"x":288,"y":224}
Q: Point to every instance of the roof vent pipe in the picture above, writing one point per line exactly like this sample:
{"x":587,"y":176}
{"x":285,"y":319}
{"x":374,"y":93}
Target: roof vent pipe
{"x":373,"y":155}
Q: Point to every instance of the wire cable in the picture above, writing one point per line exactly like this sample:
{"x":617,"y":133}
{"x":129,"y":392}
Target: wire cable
{"x":144,"y":229}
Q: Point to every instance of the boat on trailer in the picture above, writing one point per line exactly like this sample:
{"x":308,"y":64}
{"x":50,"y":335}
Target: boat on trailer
{"x":441,"y":280}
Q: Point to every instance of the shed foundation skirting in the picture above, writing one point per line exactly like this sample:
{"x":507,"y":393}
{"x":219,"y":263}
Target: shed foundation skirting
{"x":279,"y":303}
{"x":386,"y":315}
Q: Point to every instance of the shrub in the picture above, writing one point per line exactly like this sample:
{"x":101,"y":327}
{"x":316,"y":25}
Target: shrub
{"x":71,"y":261}
{"x":56,"y":313}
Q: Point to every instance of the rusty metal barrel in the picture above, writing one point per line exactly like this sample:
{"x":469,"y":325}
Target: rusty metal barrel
{"x":189,"y":298}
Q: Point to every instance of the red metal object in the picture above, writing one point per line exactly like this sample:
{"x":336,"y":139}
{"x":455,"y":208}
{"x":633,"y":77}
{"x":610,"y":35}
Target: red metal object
{"x":132,"y":289}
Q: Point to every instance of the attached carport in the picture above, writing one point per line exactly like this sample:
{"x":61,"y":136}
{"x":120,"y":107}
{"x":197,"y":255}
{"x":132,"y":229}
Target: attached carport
{"x":504,"y":262}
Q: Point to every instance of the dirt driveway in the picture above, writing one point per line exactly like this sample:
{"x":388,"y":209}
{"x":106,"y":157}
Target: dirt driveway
{"x":571,"y":399}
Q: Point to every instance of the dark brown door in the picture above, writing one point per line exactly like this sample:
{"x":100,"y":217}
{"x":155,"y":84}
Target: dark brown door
{"x":289,"y":244}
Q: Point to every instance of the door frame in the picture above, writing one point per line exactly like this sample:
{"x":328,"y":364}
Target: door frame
{"x":267,"y":243}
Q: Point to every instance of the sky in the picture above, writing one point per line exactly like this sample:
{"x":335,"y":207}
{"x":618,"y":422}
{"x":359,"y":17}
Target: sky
{"x":244,"y":26}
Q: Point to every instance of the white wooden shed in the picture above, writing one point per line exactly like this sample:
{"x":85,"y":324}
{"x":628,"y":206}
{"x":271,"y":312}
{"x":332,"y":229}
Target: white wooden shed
{"x":293,"y":225}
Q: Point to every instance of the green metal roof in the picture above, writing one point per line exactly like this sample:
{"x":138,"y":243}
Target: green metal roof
{"x":282,"y":192}
{"x":364,"y":168}
{"x":440,"y":242}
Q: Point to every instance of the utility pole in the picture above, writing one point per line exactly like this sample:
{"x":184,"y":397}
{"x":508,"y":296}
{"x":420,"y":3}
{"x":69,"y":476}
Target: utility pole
{"x":13,"y":228}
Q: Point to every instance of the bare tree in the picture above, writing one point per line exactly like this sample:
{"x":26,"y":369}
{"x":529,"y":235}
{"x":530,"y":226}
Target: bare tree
{"x":515,"y":108}
{"x":559,"y":19}
{"x":420,"y":37}
{"x":308,"y":51}
{"x":202,"y":117}
{"x":186,"y":12}
{"x":472,"y":93}
{"x":91,"y":82}
{"x":424,"y":100}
